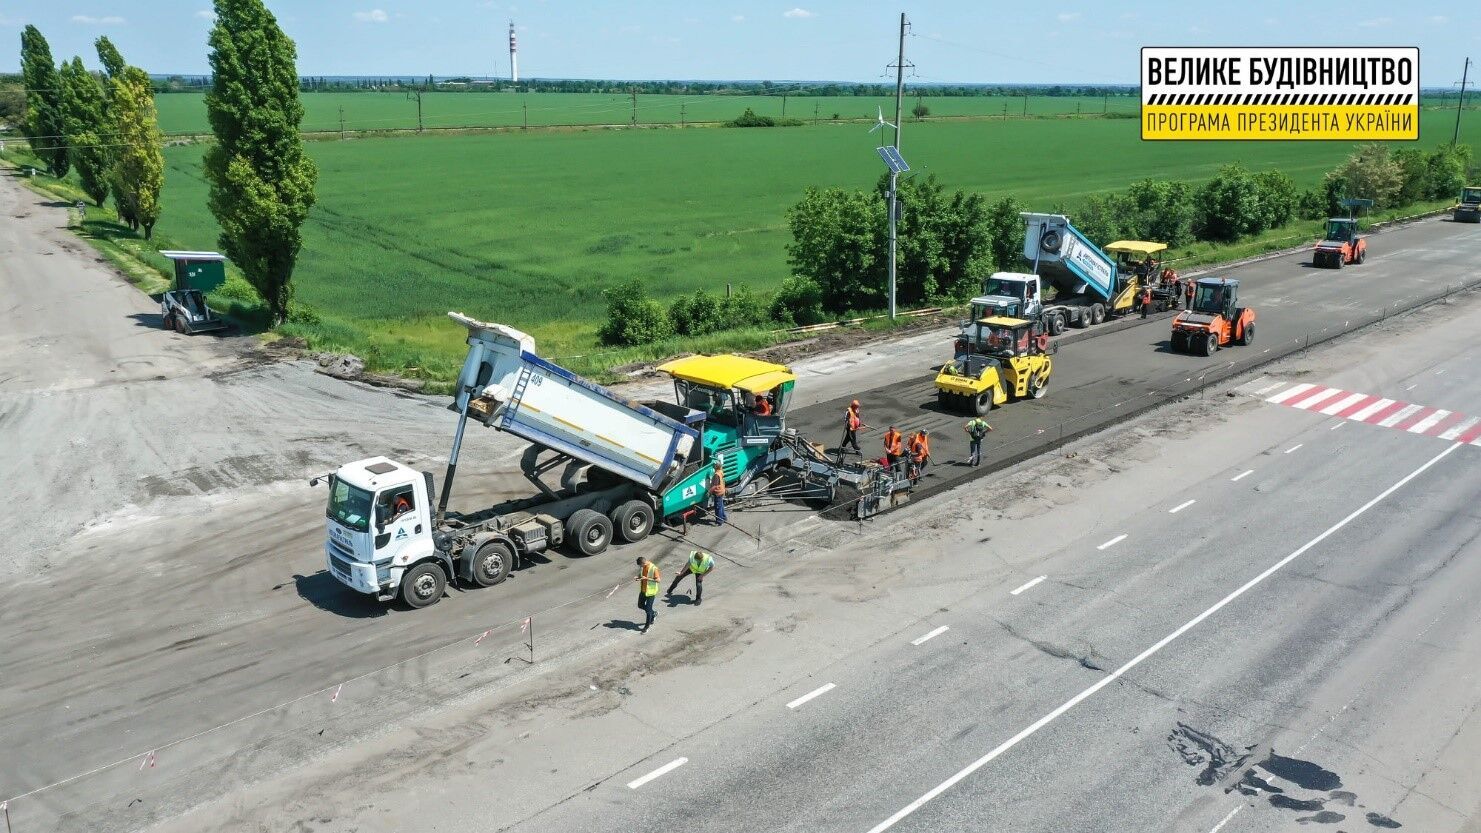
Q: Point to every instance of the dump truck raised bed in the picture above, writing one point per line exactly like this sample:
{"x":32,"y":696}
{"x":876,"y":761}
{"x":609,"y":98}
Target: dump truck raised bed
{"x":1073,"y":283}
{"x":602,"y":466}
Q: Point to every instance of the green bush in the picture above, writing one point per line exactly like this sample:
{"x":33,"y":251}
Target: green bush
{"x":1278,"y":199}
{"x":1312,"y":204}
{"x":750,"y":119}
{"x":632,"y":317}
{"x":1159,"y":211}
{"x":1445,"y":171}
{"x":303,"y":314}
{"x":744,"y":309}
{"x":1370,"y":173}
{"x":1228,"y":207}
{"x":696,"y":314}
{"x":798,"y":302}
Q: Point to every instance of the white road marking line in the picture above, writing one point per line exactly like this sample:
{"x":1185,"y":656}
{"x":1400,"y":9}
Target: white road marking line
{"x":1181,"y":506}
{"x":1113,"y":542}
{"x":1438,"y":372}
{"x":1428,"y":422}
{"x":1242,"y":475}
{"x":1335,"y":427}
{"x":1144,"y":655}
{"x":658,"y":773}
{"x":932,"y":635}
{"x":1398,"y":416}
{"x":1268,"y":388}
{"x":817,"y":692}
{"x":1293,"y":448}
{"x":1220,"y":825}
{"x":1290,"y":393}
{"x":1027,"y":586}
{"x":1463,"y":427}
{"x":1412,"y":387}
{"x":1362,"y":416}
{"x":1346,"y":402}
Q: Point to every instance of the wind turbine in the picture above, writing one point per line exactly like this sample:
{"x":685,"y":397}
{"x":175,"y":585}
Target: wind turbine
{"x":879,"y":120}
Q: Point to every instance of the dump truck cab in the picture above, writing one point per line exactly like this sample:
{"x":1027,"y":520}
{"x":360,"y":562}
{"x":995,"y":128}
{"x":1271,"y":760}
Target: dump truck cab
{"x":1215,"y":320}
{"x":1013,"y":362}
{"x":380,"y":522}
{"x":1004,"y":294}
{"x":1340,"y":245}
{"x":1468,"y":209}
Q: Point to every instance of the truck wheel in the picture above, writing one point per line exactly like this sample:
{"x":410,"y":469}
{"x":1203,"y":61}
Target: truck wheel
{"x":491,"y":564}
{"x":1097,"y":314}
{"x":589,"y":531}
{"x":1247,"y":337}
{"x":423,"y":585}
{"x":1082,"y":320}
{"x":982,"y":403}
{"x":1056,"y":324}
{"x":633,"y":521}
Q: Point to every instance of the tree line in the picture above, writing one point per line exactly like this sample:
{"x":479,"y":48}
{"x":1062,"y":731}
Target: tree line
{"x":103,"y":126}
{"x":949,"y":242}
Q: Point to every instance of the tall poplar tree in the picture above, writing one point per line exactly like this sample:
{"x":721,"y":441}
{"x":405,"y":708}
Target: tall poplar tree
{"x":43,"y":124}
{"x":114,"y":65}
{"x":83,"y":123}
{"x":262,"y":181}
{"x":139,"y":163}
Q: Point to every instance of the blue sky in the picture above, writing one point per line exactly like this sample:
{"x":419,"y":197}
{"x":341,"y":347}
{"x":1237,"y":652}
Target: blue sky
{"x":954,"y":40}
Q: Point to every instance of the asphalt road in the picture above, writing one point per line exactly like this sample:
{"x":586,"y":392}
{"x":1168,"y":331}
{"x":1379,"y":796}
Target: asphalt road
{"x":168,"y":577}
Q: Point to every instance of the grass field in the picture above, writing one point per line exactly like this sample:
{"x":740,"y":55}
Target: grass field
{"x":186,"y":113}
{"x":529,"y":229}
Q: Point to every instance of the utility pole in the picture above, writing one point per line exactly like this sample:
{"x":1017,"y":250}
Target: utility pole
{"x":894,"y":207}
{"x":417,"y":94}
{"x":1460,"y":100}
{"x":526,"y":106}
{"x":681,"y":115}
{"x":341,"y":121}
{"x":1025,"y":105}
{"x":815,"y":108}
{"x":784,"y":105}
{"x":634,"y":92}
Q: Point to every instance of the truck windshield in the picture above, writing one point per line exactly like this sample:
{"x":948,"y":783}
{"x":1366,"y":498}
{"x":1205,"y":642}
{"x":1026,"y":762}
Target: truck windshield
{"x":349,"y":506}
{"x":998,"y":286}
{"x":1338,"y":231}
{"x":1210,"y":298}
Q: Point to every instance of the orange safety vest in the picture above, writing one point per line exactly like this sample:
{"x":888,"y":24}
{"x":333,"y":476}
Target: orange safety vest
{"x":650,"y":578}
{"x":851,"y":419}
{"x":892,"y":443}
{"x":920,"y":447}
{"x":718,"y":486}
{"x":763,"y":407}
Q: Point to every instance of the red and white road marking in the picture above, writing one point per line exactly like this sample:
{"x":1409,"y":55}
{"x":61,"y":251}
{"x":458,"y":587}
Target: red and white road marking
{"x":1375,"y":410}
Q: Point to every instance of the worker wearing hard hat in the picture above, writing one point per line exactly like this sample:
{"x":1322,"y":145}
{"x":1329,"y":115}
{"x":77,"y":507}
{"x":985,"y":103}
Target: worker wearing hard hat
{"x":852,"y":422}
{"x":699,"y":565}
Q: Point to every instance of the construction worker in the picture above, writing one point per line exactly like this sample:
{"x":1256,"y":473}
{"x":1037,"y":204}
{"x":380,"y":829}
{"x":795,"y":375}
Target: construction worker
{"x":763,"y":405}
{"x":698,"y":565}
{"x":920,"y":454}
{"x":894,"y":447}
{"x":852,"y":422}
{"x":1146,"y":300}
{"x":1188,"y":294}
{"x":977,"y":428}
{"x":647,"y":580}
{"x":717,"y":492}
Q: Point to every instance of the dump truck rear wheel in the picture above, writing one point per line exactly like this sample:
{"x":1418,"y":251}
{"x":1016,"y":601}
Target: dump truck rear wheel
{"x":1097,"y":314}
{"x":492,"y":563}
{"x":1055,"y":324}
{"x":589,"y":531}
{"x":633,"y":521}
{"x":423,"y":585}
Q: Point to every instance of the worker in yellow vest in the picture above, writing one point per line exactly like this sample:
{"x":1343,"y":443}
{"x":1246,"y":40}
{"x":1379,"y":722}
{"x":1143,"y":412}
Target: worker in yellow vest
{"x":647,"y":580}
{"x":699,"y":564}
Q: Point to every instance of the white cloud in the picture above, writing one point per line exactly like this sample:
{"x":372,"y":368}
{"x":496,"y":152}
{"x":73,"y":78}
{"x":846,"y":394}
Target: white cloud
{"x":1376,"y":22}
{"x":737,"y":18}
{"x":206,"y":14}
{"x":1066,"y":17}
{"x":372,"y":16}
{"x":106,"y":20}
{"x":798,"y":13}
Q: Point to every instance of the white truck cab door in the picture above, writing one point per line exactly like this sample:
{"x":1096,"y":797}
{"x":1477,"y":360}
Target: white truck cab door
{"x":400,"y":520}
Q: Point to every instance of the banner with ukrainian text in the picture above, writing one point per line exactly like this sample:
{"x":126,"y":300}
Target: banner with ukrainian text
{"x":1284,"y":93}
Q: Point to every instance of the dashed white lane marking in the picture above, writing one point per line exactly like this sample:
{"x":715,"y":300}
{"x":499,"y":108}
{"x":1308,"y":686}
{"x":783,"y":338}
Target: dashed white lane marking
{"x":1335,"y":427}
{"x":1027,"y":586}
{"x":1156,"y":647}
{"x":1293,"y":448}
{"x":1412,"y":387}
{"x":932,"y":635}
{"x":1113,"y":542}
{"x":817,"y":692}
{"x":1232,"y":813}
{"x":1181,"y":506}
{"x":1242,"y":475}
{"x":657,"y":773}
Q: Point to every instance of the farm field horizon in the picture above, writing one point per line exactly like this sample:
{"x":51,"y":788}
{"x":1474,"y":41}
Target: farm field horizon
{"x":529,"y":228}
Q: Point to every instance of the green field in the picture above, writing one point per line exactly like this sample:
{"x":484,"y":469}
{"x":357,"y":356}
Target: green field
{"x":529,"y":228}
{"x":185,"y":113}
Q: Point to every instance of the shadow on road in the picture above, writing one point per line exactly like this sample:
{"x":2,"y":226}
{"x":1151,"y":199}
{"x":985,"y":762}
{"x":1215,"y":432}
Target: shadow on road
{"x":322,"y":591}
{"x":152,"y":320}
{"x":622,"y":625}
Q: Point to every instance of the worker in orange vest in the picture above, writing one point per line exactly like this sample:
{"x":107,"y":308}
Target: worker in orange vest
{"x":894,"y":447}
{"x":647,"y":580}
{"x":717,"y":492}
{"x":920,"y":454}
{"x":763,"y":405}
{"x":852,"y":422}
{"x":1146,"y":300}
{"x":1188,"y":294}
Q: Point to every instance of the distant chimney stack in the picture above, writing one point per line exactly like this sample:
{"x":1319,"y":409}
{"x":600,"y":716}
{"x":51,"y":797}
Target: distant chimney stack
{"x":513,"y":56}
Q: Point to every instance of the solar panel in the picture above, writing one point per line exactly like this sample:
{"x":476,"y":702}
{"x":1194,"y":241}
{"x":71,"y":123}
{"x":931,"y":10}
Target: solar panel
{"x":892,"y":159}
